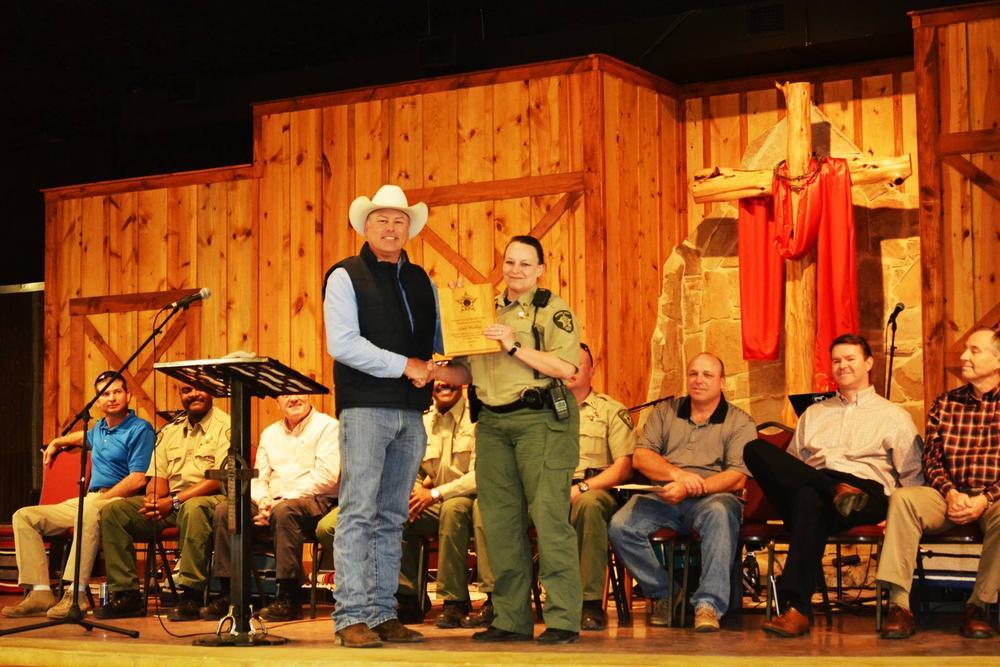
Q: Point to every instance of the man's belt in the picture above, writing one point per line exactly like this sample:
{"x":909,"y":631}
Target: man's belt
{"x":532,"y":398}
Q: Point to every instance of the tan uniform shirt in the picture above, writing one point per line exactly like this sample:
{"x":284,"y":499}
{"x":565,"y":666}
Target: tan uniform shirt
{"x":184,"y":451}
{"x":450,"y":459}
{"x":606,"y":433}
{"x":499,"y":378}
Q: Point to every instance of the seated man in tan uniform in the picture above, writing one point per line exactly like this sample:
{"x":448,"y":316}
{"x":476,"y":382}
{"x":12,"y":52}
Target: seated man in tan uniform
{"x":441,"y":505}
{"x":607,"y":440}
{"x":177,"y":495}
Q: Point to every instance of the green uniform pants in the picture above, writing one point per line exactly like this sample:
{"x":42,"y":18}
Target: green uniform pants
{"x":325,"y":531}
{"x":590,"y":515}
{"x":524,"y":466}
{"x":122,"y":525}
{"x":451,"y":522}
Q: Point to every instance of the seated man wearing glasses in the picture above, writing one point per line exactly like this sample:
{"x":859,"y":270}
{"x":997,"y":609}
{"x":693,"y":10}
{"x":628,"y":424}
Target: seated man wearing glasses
{"x":121,"y":446}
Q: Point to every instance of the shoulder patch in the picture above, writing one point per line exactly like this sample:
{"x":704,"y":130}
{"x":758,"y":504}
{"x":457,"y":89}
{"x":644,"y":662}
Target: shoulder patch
{"x":564,"y":320}
{"x":627,"y":418}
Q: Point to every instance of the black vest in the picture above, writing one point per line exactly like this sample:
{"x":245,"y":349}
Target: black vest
{"x":382,"y":320}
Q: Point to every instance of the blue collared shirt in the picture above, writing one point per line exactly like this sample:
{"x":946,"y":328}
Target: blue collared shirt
{"x":344,"y":341}
{"x":116,"y":452}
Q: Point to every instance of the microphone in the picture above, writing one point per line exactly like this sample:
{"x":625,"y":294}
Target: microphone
{"x":203,"y":293}
{"x":895,"y":313}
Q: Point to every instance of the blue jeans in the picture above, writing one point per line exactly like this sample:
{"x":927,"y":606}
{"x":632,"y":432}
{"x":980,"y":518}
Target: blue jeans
{"x":716,"y":518}
{"x":380,"y":452}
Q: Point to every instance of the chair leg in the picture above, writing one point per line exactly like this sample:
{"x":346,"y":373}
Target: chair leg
{"x":424,"y":558}
{"x":166,"y":567}
{"x":617,"y":579}
{"x":770,"y":601}
{"x":685,"y":577}
{"x":827,"y":608}
{"x":148,"y":574}
{"x":317,"y":555}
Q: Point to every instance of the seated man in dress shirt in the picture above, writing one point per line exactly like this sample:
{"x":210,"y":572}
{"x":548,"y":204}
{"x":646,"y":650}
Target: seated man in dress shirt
{"x":694,"y":447}
{"x":848,"y":454}
{"x":298,"y":464}
{"x":962,"y":465}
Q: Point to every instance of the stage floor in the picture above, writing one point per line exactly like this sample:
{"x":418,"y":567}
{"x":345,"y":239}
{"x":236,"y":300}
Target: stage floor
{"x":852,"y":640}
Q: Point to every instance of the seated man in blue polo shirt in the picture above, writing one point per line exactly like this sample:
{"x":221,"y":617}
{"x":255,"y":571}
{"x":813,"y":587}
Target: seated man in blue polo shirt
{"x":121,"y":446}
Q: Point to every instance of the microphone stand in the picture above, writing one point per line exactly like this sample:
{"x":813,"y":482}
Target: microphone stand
{"x":636,"y":408}
{"x":892,"y":359}
{"x":75,"y":615}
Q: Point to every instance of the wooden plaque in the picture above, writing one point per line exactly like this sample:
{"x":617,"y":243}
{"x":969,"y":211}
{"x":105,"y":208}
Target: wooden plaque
{"x":465,"y":312}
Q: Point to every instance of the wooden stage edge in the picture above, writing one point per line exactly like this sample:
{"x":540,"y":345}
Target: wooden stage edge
{"x":852,"y":640}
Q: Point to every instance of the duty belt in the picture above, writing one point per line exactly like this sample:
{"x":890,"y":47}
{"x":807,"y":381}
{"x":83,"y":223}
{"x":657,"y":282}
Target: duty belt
{"x":532,"y":398}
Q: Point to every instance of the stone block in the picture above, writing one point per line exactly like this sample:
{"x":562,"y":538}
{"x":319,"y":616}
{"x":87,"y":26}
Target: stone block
{"x":715,"y":301}
{"x":723,"y":338}
{"x":908,"y":378}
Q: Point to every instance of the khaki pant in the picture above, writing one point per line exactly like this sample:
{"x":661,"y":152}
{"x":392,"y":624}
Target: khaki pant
{"x":590,"y":515}
{"x":916,"y":510}
{"x":32,"y":523}
{"x":451,"y":522}
{"x":122,"y":525}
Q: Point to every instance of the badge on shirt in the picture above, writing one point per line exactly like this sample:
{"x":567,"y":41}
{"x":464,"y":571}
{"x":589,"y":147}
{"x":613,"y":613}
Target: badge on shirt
{"x":564,"y":320}
{"x":627,"y":418}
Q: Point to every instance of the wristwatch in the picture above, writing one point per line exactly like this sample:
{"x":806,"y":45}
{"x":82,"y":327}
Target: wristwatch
{"x":583,"y":486}
{"x":175,"y":502}
{"x":435,"y":494}
{"x":514,"y":348}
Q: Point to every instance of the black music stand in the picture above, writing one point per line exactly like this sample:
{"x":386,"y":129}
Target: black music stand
{"x":240,"y":379}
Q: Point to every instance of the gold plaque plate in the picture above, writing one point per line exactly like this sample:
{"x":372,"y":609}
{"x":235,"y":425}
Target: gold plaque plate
{"x":465,"y":312}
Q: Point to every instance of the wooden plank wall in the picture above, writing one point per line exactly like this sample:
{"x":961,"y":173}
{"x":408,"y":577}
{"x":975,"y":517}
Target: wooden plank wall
{"x":262,"y":239}
{"x":970,"y":100}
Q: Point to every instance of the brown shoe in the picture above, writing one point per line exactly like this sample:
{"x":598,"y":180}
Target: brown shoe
{"x":792,"y":623}
{"x":974,"y":623}
{"x":358,"y":636}
{"x":848,"y":499}
{"x":898,"y":624}
{"x":705,"y":619}
{"x":395,"y":632}
{"x":481,"y":618}
{"x":35,"y":603}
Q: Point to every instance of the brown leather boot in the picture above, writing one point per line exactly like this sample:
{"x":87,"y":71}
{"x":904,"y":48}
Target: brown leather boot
{"x":792,"y":623}
{"x":358,"y":636}
{"x":898,"y":624}
{"x":397,"y":633}
{"x":847,"y":499}
{"x":974,"y":623}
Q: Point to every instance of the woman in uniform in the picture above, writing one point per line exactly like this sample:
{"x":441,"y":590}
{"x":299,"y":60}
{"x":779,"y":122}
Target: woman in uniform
{"x":527,"y":446}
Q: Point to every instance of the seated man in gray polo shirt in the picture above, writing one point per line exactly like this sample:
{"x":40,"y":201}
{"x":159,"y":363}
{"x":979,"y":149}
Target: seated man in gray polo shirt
{"x":694,"y":447}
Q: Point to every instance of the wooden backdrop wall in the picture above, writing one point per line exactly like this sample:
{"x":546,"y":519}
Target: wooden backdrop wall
{"x":580,"y":152}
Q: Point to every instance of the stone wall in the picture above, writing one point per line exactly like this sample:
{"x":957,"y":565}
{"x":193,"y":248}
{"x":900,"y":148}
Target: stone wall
{"x":699,"y":304}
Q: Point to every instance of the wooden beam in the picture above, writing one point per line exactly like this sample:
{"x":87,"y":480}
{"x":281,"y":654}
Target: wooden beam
{"x":952,"y":359}
{"x":180,"y":178}
{"x":974,"y":141}
{"x":114,"y":361}
{"x":814,"y":75}
{"x":976,"y":175}
{"x":724,"y":184}
{"x":978,"y":11}
{"x":566,"y":202}
{"x":930,"y":211}
{"x":127,"y":303}
{"x":509,"y":188}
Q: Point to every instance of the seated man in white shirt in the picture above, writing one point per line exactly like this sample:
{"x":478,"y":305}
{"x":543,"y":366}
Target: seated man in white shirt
{"x":298,"y":460}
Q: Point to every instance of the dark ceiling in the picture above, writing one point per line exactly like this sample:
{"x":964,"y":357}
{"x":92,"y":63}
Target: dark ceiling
{"x":110,"y":89}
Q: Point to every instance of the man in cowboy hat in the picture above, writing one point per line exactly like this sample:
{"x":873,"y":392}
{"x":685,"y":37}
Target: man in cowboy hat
{"x":382,"y":326}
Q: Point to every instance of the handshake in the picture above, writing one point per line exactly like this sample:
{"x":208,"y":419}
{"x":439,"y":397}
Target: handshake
{"x":420,"y":372}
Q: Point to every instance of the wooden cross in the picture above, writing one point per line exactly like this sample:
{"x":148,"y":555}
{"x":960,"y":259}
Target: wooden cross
{"x":726,"y":184}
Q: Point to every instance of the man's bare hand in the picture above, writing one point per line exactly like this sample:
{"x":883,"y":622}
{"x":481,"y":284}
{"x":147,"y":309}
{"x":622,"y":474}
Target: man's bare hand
{"x":156,"y":508}
{"x":693,"y":484}
{"x":417,"y":371}
{"x":420,"y":500}
{"x":673,"y":493}
{"x":965,"y":509}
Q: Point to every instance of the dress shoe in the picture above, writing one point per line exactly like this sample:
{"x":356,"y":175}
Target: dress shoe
{"x":187,"y":609}
{"x":848,"y":499}
{"x":123,"y":604}
{"x":593,"y":618}
{"x":974,"y":623}
{"x":898,"y":624}
{"x":35,"y":603}
{"x":61,"y":610}
{"x":495,"y":634}
{"x":282,"y":609}
{"x":395,"y":632}
{"x":792,"y":623}
{"x":481,"y":618}
{"x":662,"y":611}
{"x":557,"y":636}
{"x":358,"y":635}
{"x":706,"y":620}
{"x":452,"y":615}
{"x":217,"y":609}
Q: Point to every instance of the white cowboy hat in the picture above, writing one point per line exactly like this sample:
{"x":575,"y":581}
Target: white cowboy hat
{"x":388,"y":196}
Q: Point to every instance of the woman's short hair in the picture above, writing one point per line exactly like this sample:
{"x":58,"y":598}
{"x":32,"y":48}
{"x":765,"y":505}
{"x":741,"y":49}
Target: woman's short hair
{"x":529,"y":240}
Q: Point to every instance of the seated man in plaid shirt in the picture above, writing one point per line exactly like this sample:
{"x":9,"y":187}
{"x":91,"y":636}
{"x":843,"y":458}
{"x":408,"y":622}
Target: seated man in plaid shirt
{"x":962,"y":465}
